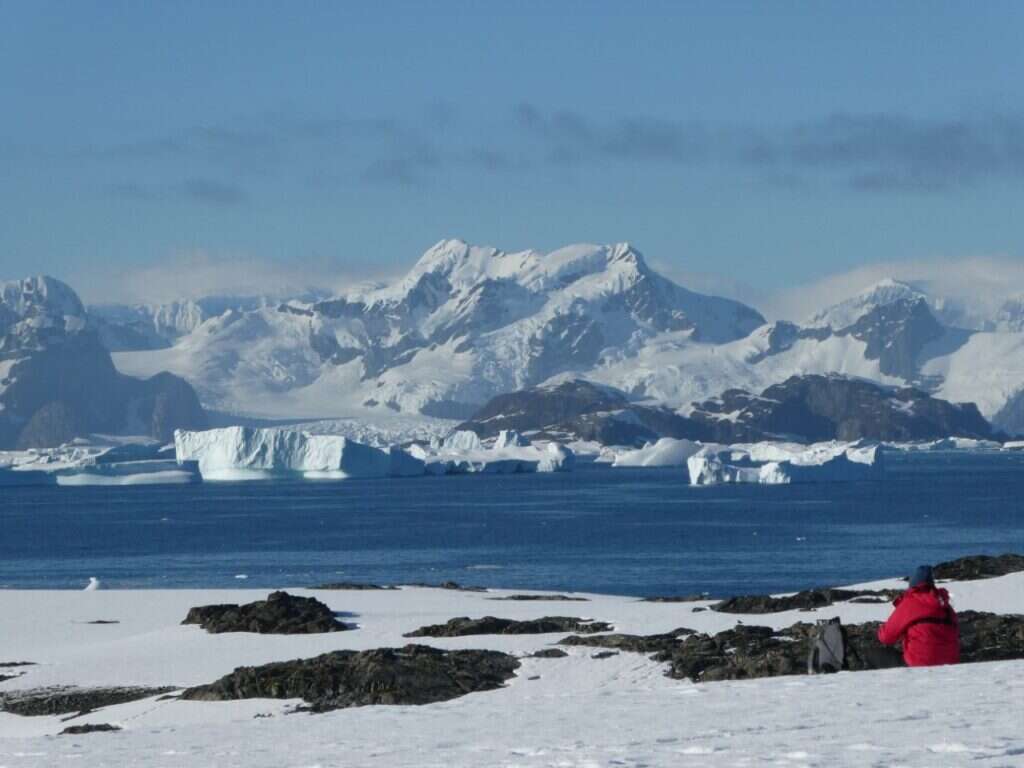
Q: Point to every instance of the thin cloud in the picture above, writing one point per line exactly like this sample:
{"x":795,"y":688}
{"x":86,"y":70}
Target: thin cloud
{"x":199,"y":190}
{"x":968,"y":291}
{"x":201,"y":274}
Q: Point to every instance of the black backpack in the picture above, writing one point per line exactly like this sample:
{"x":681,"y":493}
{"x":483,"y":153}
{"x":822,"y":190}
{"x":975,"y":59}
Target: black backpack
{"x":828,"y":647}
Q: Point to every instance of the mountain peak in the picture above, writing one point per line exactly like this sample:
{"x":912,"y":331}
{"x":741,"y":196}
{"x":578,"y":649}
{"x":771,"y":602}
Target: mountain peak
{"x":882,"y":293}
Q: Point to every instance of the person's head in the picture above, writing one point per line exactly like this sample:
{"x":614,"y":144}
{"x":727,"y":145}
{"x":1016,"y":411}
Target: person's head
{"x":922,"y":577}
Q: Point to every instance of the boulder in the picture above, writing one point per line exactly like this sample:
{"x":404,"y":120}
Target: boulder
{"x":77,"y":730}
{"x":279,"y":614}
{"x":415,"y":674}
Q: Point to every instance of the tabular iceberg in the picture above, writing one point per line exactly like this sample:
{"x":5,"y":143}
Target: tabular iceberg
{"x":782,"y":463}
{"x":243,"y":453}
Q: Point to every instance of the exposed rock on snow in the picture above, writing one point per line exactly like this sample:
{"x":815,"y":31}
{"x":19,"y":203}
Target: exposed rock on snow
{"x":414,"y":674}
{"x":540,"y":597}
{"x":634,"y":643}
{"x":979,"y":567}
{"x":35,"y":702}
{"x":279,"y":614}
{"x":489,"y":625}
{"x":78,"y":730}
{"x":806,"y":408}
{"x":807,"y":600}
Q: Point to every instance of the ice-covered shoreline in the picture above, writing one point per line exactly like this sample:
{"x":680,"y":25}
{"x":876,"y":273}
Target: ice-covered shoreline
{"x":576,"y":710}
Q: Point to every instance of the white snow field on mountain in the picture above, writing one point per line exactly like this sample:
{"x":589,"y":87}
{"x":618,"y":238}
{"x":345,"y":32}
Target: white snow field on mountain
{"x":469,"y":322}
{"x":573,"y":711}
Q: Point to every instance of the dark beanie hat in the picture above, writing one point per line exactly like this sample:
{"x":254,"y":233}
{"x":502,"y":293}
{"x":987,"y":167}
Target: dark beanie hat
{"x":923,"y":575}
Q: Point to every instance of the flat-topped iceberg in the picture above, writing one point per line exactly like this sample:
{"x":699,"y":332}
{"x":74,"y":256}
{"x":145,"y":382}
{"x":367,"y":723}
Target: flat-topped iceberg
{"x":783,"y":463}
{"x":244,"y":453}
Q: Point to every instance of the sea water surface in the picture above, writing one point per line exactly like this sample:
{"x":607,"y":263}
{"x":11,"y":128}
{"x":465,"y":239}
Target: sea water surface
{"x":624,"y":531}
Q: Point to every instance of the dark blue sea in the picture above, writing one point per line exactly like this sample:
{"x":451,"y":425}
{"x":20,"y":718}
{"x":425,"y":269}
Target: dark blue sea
{"x":626,"y":531}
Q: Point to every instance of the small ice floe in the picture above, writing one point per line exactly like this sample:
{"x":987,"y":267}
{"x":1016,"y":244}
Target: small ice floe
{"x":801,"y":538}
{"x":93,"y":585}
{"x":241,"y":575}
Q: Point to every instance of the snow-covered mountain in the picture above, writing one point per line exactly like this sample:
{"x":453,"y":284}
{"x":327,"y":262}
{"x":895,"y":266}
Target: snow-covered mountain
{"x":134,"y":327}
{"x":464,"y":324}
{"x":467,"y":323}
{"x":57,"y":381}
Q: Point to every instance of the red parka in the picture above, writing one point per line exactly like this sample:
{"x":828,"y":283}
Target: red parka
{"x":927,"y":624}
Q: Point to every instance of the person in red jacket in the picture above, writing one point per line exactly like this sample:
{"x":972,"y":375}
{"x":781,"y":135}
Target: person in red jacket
{"x":926,"y":623}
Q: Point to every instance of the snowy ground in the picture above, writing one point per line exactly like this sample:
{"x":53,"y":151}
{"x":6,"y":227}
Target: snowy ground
{"x":574,"y":711}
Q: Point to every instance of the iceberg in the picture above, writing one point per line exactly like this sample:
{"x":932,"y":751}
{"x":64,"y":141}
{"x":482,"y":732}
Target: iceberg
{"x":244,"y":453}
{"x":666,"y":452}
{"x":784,"y":463}
{"x":167,"y":472}
{"x":464,"y":453}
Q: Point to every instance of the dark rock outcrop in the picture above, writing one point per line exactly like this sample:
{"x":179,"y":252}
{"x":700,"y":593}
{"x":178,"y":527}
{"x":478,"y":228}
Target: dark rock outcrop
{"x":549,"y":653}
{"x":635,"y":643}
{"x":353,"y":586}
{"x":979,"y":567}
{"x":807,"y":408}
{"x":832,"y":407}
{"x":578,"y":409}
{"x":78,"y":730}
{"x":279,"y":614}
{"x":415,"y":674}
{"x":490,"y":625}
{"x":541,"y":598}
{"x":62,"y":700}
{"x":60,"y":382}
{"x":748,"y":651}
{"x":807,"y":600}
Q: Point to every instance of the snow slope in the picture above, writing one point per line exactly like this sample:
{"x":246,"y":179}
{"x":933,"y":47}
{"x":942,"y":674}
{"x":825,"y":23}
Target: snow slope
{"x":574,"y":711}
{"x":464,"y":324}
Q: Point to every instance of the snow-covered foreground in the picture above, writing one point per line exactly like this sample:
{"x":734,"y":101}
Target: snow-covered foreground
{"x":573,"y":711}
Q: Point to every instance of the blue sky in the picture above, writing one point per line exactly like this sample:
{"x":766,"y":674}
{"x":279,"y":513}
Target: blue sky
{"x":768,"y":144}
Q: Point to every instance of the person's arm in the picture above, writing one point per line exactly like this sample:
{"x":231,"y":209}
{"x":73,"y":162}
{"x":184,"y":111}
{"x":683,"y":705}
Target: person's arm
{"x":891,"y":632}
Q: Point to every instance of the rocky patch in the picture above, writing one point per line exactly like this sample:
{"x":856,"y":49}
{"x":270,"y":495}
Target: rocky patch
{"x":634,"y":643}
{"x":76,"y":730}
{"x":279,"y":614}
{"x":415,"y":674}
{"x":353,"y":586}
{"x":746,"y":652}
{"x":977,"y":567}
{"x":490,"y":625}
{"x":542,"y":598}
{"x":808,"y":600}
{"x":675,"y":598}
{"x":63,"y":700}
{"x":549,"y":653}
